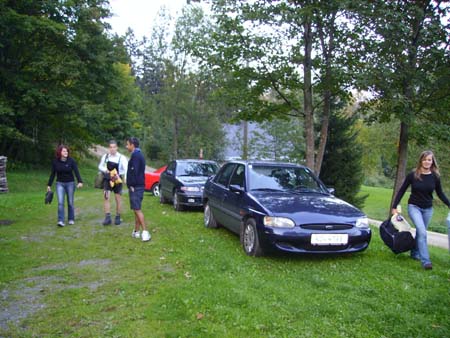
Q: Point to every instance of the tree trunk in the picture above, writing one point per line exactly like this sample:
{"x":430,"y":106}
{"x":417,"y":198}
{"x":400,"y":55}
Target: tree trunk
{"x":323,"y":131}
{"x":176,"y":132}
{"x":402,"y":160}
{"x":307,"y":93}
{"x":245,"y":141}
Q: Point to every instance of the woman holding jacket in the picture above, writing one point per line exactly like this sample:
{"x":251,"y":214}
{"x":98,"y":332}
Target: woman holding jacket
{"x":424,"y":180}
{"x":64,"y":167}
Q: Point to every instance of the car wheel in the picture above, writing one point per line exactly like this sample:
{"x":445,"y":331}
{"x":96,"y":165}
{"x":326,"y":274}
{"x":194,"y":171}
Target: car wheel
{"x":249,"y":239}
{"x":176,"y":203}
{"x":162,"y":199}
{"x":208,"y":218}
{"x":155,"y":189}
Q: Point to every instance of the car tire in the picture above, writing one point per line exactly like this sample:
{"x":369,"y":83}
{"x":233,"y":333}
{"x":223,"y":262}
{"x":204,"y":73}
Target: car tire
{"x":176,"y":203}
{"x":249,"y":239}
{"x":162,"y":199}
{"x":155,"y":189}
{"x":208,"y":218}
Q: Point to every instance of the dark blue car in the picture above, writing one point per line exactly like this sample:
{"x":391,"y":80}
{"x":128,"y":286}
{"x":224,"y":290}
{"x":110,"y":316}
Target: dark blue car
{"x":183,"y":180}
{"x":283,"y":207}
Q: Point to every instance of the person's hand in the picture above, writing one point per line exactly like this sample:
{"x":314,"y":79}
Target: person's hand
{"x":394,"y":211}
{"x":80,"y":185}
{"x":49,"y":188}
{"x":132,"y":189}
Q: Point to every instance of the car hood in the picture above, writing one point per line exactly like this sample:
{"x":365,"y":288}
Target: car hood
{"x":307,"y":208}
{"x":189,"y":180}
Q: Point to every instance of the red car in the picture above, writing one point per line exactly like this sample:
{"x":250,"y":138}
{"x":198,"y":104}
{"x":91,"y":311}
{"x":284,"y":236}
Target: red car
{"x":152,"y":180}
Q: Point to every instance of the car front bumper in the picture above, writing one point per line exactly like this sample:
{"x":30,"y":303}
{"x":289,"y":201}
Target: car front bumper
{"x":191,"y":199}
{"x":298,"y":240}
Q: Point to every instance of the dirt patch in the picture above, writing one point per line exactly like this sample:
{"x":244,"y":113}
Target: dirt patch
{"x":24,"y":298}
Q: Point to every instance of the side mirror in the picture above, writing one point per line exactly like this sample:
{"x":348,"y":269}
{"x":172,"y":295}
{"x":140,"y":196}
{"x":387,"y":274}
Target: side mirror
{"x":331,"y":190}
{"x":169,"y":172}
{"x":236,"y":189}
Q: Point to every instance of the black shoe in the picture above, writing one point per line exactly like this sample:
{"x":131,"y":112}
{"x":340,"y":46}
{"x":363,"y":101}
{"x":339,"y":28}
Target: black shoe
{"x":117,"y":220}
{"x":428,"y":266}
{"x":107,"y":220}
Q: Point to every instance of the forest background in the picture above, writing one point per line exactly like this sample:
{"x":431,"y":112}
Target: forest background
{"x":354,"y":90}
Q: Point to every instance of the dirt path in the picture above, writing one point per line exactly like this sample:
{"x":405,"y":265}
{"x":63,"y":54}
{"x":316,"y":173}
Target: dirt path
{"x":99,"y":151}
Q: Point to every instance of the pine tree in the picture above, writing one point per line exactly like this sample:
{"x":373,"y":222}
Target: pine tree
{"x":342,"y":163}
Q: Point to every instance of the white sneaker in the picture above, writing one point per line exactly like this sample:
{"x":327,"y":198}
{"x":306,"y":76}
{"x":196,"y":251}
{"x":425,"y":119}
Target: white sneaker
{"x":61,"y":224}
{"x":146,"y":236}
{"x":71,"y":222}
{"x":136,"y":234}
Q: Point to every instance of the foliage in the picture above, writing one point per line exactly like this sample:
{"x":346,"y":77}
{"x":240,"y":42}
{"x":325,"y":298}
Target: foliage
{"x":88,"y":280}
{"x":63,"y":78}
{"x":342,"y":164}
{"x":179,"y":106}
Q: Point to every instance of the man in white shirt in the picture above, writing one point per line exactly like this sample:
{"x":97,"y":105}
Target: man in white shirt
{"x":110,"y":161}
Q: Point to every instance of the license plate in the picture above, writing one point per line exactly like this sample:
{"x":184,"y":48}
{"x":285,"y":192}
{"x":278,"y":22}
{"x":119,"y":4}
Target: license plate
{"x":191,"y":200}
{"x":329,"y":239}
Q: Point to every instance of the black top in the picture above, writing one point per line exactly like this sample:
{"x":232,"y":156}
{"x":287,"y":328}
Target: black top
{"x":136,"y":169}
{"x":421,"y":190}
{"x":64,"y":171}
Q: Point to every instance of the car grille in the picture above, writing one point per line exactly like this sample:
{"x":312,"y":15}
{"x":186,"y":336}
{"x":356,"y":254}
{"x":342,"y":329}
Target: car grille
{"x":327,"y":226}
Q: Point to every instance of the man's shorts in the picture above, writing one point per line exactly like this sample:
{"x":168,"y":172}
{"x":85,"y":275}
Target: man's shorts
{"x":136,"y":198}
{"x":117,"y":189}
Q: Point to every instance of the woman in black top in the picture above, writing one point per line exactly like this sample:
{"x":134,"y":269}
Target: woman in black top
{"x":64,"y":167}
{"x":424,"y":180}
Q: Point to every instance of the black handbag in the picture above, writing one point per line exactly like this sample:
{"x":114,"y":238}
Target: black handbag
{"x":397,"y":241}
{"x":48,"y":197}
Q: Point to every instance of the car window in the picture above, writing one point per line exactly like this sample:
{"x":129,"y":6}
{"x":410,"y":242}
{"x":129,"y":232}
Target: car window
{"x":196,"y":169}
{"x":284,"y":178}
{"x":223,"y":177}
{"x":171,"y":166}
{"x":238,"y":177}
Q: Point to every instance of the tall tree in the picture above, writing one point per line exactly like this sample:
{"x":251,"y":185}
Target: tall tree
{"x":407,"y":69}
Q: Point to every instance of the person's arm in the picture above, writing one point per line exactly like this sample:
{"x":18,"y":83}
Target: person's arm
{"x":102,"y":164}
{"x":123,"y":166}
{"x":52,"y":177}
{"x":441,"y":193}
{"x":401,"y":192}
{"x":77,"y":173}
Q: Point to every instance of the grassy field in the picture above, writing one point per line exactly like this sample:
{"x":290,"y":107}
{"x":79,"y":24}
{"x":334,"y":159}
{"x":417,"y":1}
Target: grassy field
{"x":377,"y":207}
{"x":88,"y":280}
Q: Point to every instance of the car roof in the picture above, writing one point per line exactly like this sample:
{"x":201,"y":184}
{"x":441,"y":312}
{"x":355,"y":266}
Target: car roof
{"x":267,"y":163}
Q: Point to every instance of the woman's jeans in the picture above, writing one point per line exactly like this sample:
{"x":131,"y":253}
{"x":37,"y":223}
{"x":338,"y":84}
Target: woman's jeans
{"x":421,"y":218}
{"x":64,"y":189}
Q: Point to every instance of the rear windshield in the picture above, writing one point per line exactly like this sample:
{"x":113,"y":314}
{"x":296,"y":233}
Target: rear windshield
{"x":196,"y":169}
{"x":284,"y":179}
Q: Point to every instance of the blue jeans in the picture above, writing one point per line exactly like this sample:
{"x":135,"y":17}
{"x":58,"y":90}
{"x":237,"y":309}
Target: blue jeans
{"x":421,"y":218}
{"x":64,"y":189}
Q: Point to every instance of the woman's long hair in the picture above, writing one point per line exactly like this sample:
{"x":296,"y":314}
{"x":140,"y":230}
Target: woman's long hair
{"x":434,"y":166}
{"x":59,"y":150}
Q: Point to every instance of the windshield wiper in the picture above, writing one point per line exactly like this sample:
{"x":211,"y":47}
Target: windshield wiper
{"x":266,"y":189}
{"x":307,"y":190}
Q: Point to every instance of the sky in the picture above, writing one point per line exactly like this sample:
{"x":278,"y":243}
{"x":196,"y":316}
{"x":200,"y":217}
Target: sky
{"x":139,"y":15}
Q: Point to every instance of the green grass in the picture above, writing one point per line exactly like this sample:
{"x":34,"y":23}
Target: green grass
{"x":88,"y":280}
{"x":377,"y":207}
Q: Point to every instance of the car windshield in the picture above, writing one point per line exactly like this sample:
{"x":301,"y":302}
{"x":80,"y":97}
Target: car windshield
{"x":283,"y":178}
{"x":196,"y":169}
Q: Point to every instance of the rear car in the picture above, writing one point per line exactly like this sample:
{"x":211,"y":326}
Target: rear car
{"x":183,"y":181}
{"x":152,"y":180}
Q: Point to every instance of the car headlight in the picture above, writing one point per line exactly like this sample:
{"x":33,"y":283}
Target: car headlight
{"x":278,"y":222}
{"x":190,"y":189}
{"x":362,"y":222}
